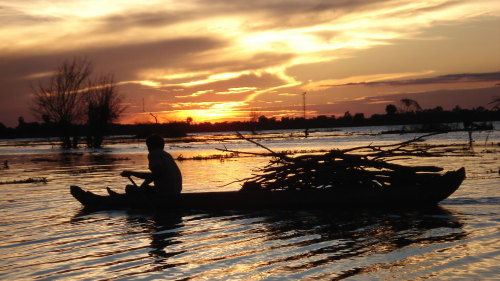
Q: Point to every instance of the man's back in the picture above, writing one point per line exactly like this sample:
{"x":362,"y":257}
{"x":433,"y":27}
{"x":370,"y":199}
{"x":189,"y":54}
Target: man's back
{"x":167,"y":176}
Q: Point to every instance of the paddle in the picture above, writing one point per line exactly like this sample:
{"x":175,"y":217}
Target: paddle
{"x":133,"y":182}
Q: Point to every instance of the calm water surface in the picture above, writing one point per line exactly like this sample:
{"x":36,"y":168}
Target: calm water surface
{"x":45,"y":235}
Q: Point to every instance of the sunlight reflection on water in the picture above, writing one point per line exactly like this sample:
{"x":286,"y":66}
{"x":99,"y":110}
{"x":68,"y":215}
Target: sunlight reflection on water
{"x":44,"y":234}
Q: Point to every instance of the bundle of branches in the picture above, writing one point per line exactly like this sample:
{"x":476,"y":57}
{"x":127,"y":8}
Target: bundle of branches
{"x":359,"y":167}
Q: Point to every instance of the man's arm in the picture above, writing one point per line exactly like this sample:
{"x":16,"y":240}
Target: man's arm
{"x":147,"y":177}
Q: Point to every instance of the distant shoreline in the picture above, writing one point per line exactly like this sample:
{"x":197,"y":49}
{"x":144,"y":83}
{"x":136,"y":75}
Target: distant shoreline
{"x":422,"y":121}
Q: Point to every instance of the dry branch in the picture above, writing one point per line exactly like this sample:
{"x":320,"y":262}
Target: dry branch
{"x":360,"y":167}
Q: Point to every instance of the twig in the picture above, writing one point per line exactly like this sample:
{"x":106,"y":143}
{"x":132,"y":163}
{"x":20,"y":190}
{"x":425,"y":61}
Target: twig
{"x":260,"y":145}
{"x":244,"y":152}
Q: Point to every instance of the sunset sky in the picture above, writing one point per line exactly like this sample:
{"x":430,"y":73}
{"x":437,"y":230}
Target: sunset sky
{"x":220,"y":60}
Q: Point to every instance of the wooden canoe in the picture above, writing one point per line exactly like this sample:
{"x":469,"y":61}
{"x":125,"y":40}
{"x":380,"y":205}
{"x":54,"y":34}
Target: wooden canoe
{"x":430,"y":190}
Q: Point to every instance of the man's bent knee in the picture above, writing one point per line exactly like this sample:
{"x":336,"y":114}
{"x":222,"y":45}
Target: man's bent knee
{"x":131,"y":189}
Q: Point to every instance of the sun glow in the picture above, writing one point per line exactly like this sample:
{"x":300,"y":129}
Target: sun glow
{"x":203,"y":115}
{"x":215,"y":113}
{"x":198,"y":111}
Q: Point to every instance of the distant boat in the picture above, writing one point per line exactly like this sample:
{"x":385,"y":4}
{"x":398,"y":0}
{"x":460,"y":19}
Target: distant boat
{"x":422,"y":190}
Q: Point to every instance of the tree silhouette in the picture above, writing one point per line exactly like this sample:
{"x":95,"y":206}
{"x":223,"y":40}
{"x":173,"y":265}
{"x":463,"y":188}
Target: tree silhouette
{"x":347,"y":116}
{"x":104,"y":105}
{"x":155,"y":116}
{"x":69,"y":99}
{"x":61,"y":98}
{"x":496,"y":103}
{"x":409,"y":105}
{"x":390,"y":109}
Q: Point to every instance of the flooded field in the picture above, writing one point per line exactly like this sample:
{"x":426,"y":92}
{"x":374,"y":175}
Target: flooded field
{"x":45,"y":235}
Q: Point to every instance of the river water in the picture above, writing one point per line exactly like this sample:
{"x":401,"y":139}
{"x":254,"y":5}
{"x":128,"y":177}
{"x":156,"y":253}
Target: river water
{"x":45,"y":234}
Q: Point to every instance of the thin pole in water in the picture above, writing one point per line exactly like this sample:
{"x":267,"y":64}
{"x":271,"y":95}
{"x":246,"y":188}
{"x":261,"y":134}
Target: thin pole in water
{"x":305,"y":120}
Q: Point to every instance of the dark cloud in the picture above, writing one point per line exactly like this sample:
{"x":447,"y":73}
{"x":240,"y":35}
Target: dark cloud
{"x":186,"y":55}
{"x":429,"y":8}
{"x":123,"y":59}
{"x":290,"y":14}
{"x":443,"y":79}
{"x":266,"y":14}
{"x":119,"y":22}
{"x":12,"y":18}
{"x":128,"y":59}
{"x":439,"y":6}
{"x":288,"y":7}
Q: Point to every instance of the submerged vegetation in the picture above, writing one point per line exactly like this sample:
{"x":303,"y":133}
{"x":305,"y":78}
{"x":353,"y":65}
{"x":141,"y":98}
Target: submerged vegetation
{"x":220,"y":157}
{"x":235,"y":154}
{"x":28,"y":180}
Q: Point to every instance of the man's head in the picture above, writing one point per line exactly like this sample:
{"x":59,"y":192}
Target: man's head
{"x":155,"y":142}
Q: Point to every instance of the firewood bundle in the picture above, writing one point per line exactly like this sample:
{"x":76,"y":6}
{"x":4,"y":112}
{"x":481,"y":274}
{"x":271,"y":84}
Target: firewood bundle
{"x":358,"y":167}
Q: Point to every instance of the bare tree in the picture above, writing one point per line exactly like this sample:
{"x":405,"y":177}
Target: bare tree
{"x":496,"y":103}
{"x":104,"y":106}
{"x":254,"y":115}
{"x":155,"y":116}
{"x":61,"y":98}
{"x":409,"y":105}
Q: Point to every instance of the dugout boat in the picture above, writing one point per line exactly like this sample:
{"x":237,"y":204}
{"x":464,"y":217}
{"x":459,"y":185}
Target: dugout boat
{"x":418,"y":191}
